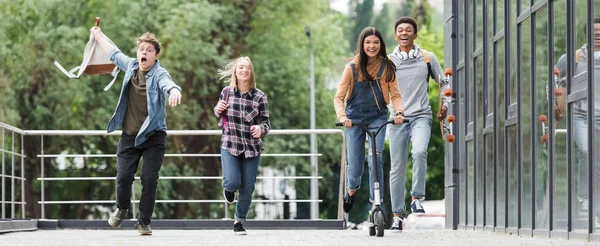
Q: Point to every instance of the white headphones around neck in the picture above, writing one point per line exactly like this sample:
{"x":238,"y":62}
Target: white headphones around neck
{"x":412,"y":54}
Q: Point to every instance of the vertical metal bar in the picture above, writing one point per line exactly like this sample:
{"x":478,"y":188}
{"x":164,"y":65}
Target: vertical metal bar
{"x":342,"y":183}
{"x":591,"y":140}
{"x":550,"y":92}
{"x":22,"y":177}
{"x":466,"y":114}
{"x":485,"y":25}
{"x":133,"y":210}
{"x":12,"y":178}
{"x":507,"y":47}
{"x":468,"y":54}
{"x":455,"y":109}
{"x":495,"y":117}
{"x":519,"y":118}
{"x":570,"y":73}
{"x":2,"y":174}
{"x":533,"y":117}
{"x":314,"y":183}
{"x":42,"y":188}
{"x":473,"y":107}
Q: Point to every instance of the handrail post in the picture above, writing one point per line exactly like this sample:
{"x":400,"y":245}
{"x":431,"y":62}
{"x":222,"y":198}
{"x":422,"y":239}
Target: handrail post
{"x":43,"y":211}
{"x":2,"y":174}
{"x":22,"y":176}
{"x":12,"y":178}
{"x":132,"y":205}
{"x":342,"y":186}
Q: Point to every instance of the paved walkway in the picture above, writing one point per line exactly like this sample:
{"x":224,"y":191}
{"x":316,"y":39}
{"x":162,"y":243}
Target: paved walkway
{"x":273,"y":237}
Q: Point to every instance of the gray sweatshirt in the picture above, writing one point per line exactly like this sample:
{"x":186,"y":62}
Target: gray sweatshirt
{"x":412,"y":76}
{"x":579,"y":80}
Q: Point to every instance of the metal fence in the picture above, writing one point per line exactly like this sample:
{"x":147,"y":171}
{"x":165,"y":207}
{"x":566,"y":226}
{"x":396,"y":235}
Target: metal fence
{"x":44,"y":156}
{"x":13,"y":151}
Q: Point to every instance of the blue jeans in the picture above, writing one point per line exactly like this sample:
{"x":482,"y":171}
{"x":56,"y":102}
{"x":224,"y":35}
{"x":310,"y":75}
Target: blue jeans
{"x":355,"y":146}
{"x":418,"y":131}
{"x":580,"y":137}
{"x":239,"y":173}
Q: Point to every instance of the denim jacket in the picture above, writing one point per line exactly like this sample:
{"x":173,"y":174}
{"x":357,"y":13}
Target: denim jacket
{"x":158,"y":84}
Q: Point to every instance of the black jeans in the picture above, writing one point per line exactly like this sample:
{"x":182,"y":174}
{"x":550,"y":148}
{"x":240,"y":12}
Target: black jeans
{"x":128,"y":158}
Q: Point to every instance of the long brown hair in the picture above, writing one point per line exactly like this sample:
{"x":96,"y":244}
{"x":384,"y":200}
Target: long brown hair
{"x":389,"y":73}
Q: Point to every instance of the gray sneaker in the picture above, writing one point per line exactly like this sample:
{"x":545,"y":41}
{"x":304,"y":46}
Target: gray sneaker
{"x":117,"y":217}
{"x":143,"y":229}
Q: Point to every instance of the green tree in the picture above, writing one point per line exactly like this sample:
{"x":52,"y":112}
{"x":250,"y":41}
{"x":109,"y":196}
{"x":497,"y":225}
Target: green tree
{"x":197,"y":37}
{"x":361,"y":17}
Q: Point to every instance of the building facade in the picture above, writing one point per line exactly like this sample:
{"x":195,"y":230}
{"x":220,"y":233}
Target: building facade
{"x":526,"y":100}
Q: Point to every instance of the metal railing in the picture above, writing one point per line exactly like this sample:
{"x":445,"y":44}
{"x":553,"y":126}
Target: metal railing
{"x":14,"y":154}
{"x":43,"y":156}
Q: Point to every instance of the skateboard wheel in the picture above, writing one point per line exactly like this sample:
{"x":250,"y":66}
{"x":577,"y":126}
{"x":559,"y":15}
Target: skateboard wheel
{"x":448,"y":92}
{"x":544,"y":138}
{"x":556,"y":71}
{"x":451,"y":138}
{"x":542,"y":118}
{"x":557,"y":92}
{"x":448,"y":71}
{"x":451,"y":118}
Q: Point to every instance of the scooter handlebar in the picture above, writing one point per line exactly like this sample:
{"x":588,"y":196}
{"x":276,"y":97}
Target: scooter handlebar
{"x":387,"y":122}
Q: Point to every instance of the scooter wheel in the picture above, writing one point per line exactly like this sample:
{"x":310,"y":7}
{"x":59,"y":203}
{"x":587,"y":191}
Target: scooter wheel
{"x":379,"y":220}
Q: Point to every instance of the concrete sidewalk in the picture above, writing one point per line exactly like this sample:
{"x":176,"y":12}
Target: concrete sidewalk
{"x":273,"y":237}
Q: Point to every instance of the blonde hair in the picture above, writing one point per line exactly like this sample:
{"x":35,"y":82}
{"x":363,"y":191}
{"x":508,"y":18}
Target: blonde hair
{"x":228,"y":72}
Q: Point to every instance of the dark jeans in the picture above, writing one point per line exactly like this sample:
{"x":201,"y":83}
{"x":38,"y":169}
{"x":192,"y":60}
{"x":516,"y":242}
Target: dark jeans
{"x":128,"y":158}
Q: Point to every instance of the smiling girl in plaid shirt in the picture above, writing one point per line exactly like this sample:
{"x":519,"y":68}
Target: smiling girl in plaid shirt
{"x":245,"y":112}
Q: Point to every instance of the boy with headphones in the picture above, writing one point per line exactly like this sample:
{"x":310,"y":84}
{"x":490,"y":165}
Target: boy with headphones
{"x":414,"y":66}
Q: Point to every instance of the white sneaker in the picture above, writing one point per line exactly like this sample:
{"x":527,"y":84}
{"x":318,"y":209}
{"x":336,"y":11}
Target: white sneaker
{"x":416,"y":207}
{"x":397,"y":224}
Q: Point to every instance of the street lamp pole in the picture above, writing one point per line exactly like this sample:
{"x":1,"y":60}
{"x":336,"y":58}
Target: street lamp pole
{"x":314,"y":183}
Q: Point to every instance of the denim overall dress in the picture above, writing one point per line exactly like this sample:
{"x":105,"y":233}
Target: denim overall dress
{"x":366,"y":105}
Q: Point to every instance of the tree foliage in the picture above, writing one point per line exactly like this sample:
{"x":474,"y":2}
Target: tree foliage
{"x":197,"y":37}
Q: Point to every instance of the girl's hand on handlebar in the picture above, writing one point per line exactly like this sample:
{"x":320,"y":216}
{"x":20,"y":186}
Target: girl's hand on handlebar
{"x":347,"y":122}
{"x":399,"y":119}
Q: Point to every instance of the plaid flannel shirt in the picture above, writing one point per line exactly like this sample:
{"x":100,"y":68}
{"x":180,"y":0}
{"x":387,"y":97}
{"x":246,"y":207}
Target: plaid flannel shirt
{"x":244,"y":111}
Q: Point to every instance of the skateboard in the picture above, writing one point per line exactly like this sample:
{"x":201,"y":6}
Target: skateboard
{"x":446,"y":126}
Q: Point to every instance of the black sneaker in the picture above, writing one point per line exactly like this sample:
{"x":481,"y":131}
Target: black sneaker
{"x":229,"y":196}
{"x":238,"y":229}
{"x":143,"y":229}
{"x":117,"y":217}
{"x":348,"y":202}
{"x":416,"y":207}
{"x":397,"y":224}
